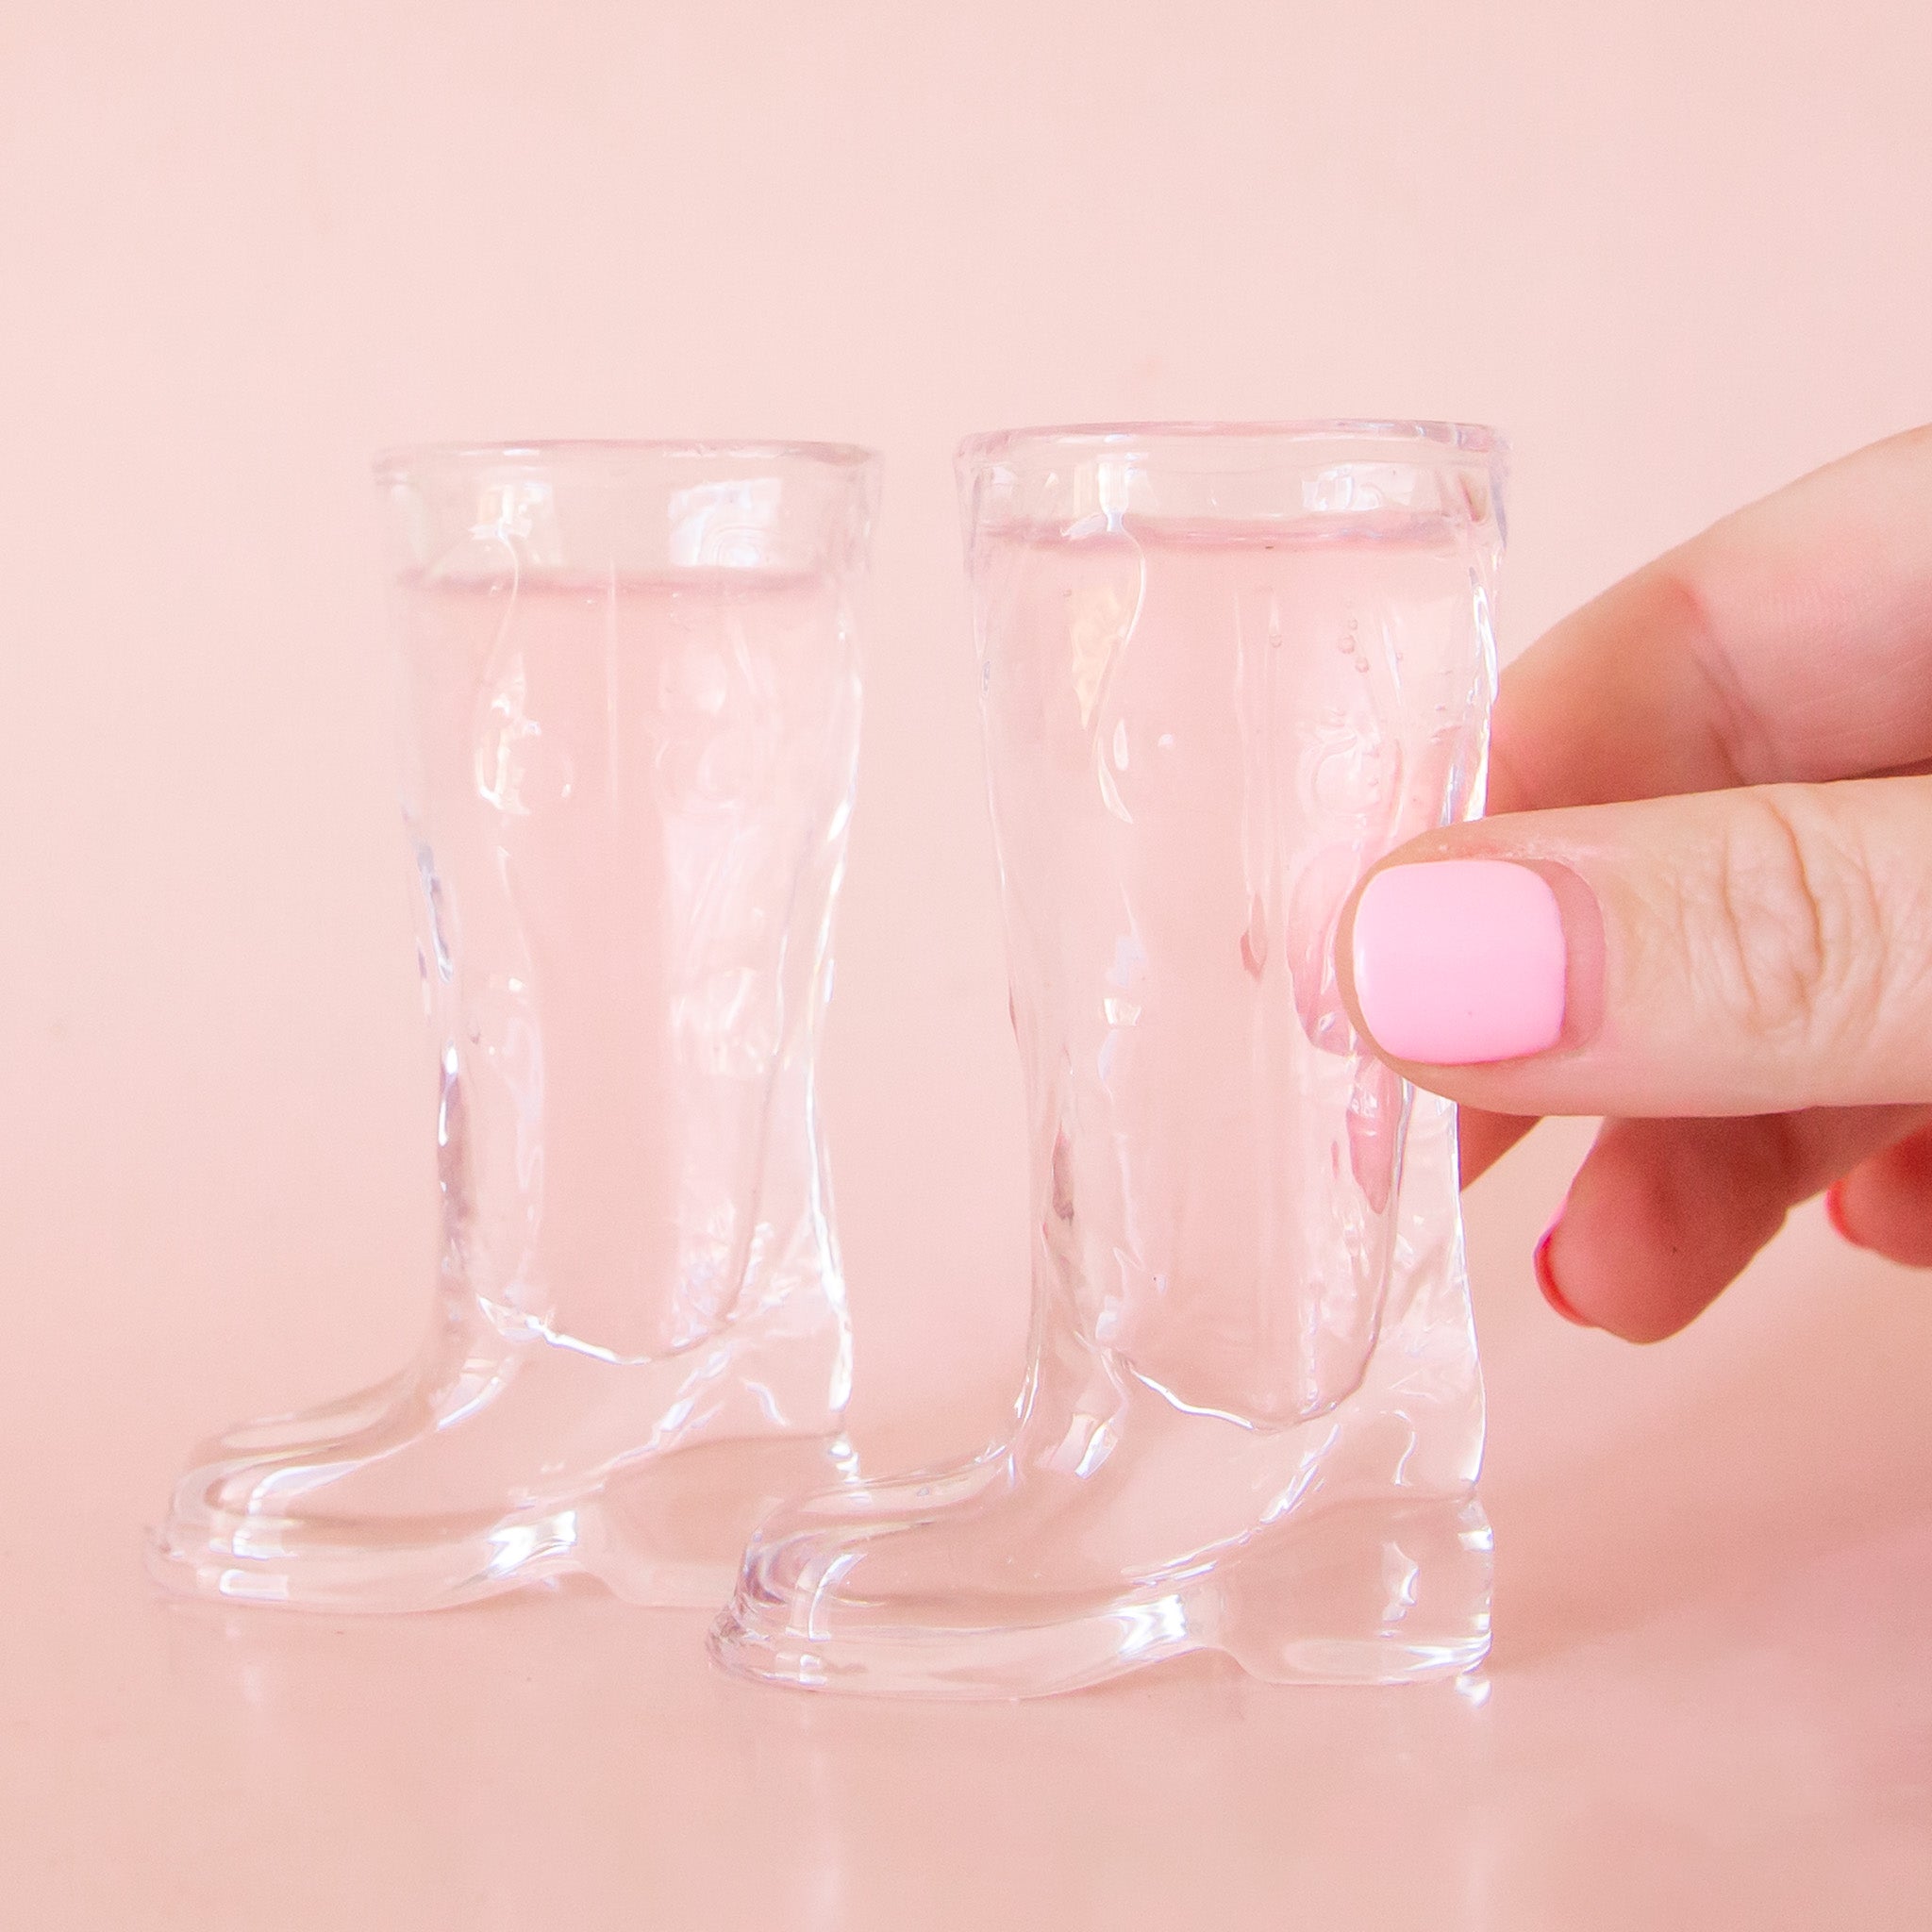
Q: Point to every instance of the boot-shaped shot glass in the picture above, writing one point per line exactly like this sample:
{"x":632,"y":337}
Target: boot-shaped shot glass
{"x":632,"y":702}
{"x":1222,"y":670}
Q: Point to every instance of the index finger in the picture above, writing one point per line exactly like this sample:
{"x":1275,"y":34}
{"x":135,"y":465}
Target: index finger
{"x":1791,"y":642}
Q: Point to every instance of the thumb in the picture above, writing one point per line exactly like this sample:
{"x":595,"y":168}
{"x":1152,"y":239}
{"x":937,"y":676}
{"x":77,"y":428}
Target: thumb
{"x":1739,"y":952}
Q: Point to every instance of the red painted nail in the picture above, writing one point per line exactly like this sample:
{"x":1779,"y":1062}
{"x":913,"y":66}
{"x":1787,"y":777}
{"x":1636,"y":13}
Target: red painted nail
{"x":1835,"y":1213}
{"x":1546,"y":1277}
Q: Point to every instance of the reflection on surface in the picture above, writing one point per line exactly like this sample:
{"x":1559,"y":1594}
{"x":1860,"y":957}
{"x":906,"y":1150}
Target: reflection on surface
{"x":1711,"y":1702}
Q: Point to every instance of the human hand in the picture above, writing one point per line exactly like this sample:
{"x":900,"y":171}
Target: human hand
{"x":1711,"y":795}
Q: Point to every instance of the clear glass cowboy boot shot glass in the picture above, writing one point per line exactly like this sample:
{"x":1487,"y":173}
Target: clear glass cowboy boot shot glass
{"x":1223,"y":671}
{"x":632,"y":706}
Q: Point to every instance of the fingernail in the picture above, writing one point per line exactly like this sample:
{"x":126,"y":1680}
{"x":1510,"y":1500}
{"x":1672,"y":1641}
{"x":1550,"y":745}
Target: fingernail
{"x":1546,"y":1277}
{"x":1459,"y":960}
{"x":1835,"y":1213}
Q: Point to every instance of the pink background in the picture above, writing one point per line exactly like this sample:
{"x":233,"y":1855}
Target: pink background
{"x":1680,"y":252}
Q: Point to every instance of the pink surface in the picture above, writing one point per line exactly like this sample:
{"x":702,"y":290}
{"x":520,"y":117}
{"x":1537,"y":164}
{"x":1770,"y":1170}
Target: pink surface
{"x":1458,"y":962}
{"x":1678,"y":253}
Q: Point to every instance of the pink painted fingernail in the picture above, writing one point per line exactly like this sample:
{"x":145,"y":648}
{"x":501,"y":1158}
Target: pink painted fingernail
{"x":1459,"y":960}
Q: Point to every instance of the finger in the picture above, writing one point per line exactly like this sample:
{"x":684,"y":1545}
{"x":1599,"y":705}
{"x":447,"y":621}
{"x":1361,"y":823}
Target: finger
{"x":1791,"y":641}
{"x":1885,"y":1203}
{"x":1799,"y":611}
{"x":1732,"y":953}
{"x":1663,"y":1215}
{"x":1770,"y":647}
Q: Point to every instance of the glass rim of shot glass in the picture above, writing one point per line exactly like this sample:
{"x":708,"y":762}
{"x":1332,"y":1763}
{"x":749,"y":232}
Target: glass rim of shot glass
{"x":1255,"y":475}
{"x":1419,"y":437}
{"x":400,"y":462}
